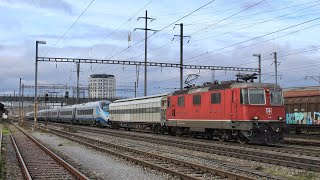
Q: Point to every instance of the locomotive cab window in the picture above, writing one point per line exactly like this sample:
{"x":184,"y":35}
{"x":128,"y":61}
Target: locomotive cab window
{"x":105,"y":107}
{"x":257,"y":96}
{"x":197,"y":99}
{"x":216,"y":98}
{"x":276,"y":97}
{"x":181,"y":101}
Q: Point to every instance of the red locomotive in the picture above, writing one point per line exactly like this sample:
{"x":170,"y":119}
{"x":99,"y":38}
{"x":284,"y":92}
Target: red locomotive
{"x":246,"y":112}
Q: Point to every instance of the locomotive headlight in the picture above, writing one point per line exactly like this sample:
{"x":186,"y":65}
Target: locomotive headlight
{"x":255,"y":117}
{"x":280,"y":118}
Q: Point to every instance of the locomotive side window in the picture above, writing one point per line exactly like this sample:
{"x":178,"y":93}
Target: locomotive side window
{"x":276,"y":97}
{"x":244,"y":96}
{"x":215,"y":98}
{"x":181,"y":101}
{"x":197,"y":99}
{"x":257,"y":96}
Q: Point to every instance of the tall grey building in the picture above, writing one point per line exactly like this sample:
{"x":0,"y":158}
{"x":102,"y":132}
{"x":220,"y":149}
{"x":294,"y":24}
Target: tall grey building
{"x":102,"y":86}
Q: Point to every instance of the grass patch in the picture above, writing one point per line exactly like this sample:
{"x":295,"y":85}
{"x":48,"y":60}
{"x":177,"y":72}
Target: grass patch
{"x":5,"y":130}
{"x":2,"y":167}
{"x":305,"y":176}
{"x":300,"y":175}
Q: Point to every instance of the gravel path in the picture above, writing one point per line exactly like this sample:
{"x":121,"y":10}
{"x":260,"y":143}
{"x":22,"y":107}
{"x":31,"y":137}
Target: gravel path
{"x":99,"y":164}
{"x":11,"y":168}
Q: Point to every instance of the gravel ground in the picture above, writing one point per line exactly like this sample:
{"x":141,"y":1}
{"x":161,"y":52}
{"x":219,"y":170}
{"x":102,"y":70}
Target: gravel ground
{"x":207,"y":159}
{"x":11,"y":168}
{"x":99,"y":164}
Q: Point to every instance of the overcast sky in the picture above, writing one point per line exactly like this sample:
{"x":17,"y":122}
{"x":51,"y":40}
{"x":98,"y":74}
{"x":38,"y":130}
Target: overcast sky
{"x":223,"y":33}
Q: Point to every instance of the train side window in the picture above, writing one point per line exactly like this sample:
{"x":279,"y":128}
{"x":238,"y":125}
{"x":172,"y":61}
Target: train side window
{"x":169,"y":104}
{"x":181,"y":101}
{"x":216,"y":98}
{"x":197,"y":99}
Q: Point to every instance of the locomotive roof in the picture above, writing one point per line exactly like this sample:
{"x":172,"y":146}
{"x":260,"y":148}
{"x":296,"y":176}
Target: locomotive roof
{"x":226,"y":85}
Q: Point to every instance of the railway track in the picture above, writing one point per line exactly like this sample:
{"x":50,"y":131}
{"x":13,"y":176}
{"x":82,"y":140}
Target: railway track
{"x":173,"y":166}
{"x":38,"y":162}
{"x":303,"y":136}
{"x":255,"y":154}
{"x":302,"y":142}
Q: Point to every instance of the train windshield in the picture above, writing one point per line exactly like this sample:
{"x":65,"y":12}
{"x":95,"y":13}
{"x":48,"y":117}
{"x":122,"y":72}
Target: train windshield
{"x":253,"y":96}
{"x":276,"y":97}
{"x":105,"y":107}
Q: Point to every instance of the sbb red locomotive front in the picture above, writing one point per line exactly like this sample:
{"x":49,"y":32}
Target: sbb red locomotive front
{"x":246,"y":112}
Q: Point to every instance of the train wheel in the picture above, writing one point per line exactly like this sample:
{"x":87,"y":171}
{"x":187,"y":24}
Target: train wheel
{"x":178,"y":131}
{"x":242,"y":139}
{"x":222,"y":136}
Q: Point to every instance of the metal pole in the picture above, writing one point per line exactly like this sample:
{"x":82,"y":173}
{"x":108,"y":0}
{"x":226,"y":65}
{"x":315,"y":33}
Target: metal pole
{"x":145,"y":54}
{"x":78,"y":74}
{"x":276,"y":66}
{"x":259,"y":57}
{"x":20,"y":101}
{"x":36,"y":88}
{"x":259,"y":65}
{"x":36,"y":85}
{"x":181,"y":56}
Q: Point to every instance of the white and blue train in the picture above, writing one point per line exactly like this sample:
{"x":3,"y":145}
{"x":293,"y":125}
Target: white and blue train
{"x":96,"y":113}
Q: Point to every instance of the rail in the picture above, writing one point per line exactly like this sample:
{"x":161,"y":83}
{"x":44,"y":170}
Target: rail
{"x":63,"y":163}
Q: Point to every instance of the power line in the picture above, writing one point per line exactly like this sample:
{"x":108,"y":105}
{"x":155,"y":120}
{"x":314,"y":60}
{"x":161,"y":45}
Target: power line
{"x":253,"y":38}
{"x":228,"y":17}
{"x":72,"y":25}
{"x":251,"y":25}
{"x":125,"y":22}
{"x":163,"y":28}
{"x":261,"y":22}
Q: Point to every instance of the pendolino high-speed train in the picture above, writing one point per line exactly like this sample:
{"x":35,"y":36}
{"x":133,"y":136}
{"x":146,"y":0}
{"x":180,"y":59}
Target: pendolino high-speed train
{"x":246,"y":112}
{"x":88,"y":113}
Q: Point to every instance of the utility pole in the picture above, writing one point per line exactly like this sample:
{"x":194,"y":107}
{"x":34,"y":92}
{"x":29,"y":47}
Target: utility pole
{"x":78,"y":74}
{"x":276,"y":66}
{"x":22,"y":106}
{"x":36,"y":85}
{"x":145,"y":47}
{"x":20,"y":102}
{"x":259,"y":65}
{"x":181,"y":53}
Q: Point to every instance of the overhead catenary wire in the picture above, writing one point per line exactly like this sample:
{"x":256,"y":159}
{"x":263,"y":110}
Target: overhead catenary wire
{"x":253,"y":38}
{"x":142,"y":40}
{"x":65,"y":33}
{"x":250,"y":25}
{"x":228,"y":17}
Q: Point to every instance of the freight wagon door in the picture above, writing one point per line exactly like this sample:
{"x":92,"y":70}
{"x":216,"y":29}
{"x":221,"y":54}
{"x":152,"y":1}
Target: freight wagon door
{"x":234,"y":105}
